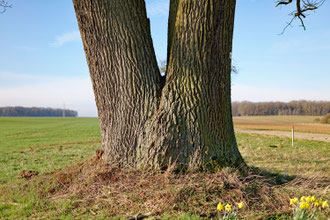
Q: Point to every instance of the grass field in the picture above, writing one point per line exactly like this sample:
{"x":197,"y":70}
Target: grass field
{"x":51,"y":145}
{"x":282,"y":123}
{"x":44,"y":144}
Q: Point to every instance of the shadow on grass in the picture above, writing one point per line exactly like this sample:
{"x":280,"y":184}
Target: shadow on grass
{"x":274,"y":179}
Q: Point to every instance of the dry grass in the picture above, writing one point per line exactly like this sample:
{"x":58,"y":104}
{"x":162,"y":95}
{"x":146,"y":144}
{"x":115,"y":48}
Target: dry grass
{"x":282,"y":123}
{"x":119,"y":192}
{"x":94,"y":190}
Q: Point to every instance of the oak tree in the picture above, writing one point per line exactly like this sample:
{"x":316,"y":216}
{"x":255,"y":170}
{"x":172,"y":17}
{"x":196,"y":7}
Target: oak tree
{"x":147,"y":119}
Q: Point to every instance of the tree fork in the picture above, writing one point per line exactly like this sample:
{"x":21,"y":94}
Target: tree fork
{"x":145,"y":122}
{"x":194,"y":124}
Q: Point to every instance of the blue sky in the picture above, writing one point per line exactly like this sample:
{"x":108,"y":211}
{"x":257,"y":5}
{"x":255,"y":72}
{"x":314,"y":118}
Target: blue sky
{"x":42,"y":62}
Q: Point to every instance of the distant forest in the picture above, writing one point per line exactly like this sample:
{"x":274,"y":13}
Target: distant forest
{"x":280,"y":108}
{"x":36,"y":112}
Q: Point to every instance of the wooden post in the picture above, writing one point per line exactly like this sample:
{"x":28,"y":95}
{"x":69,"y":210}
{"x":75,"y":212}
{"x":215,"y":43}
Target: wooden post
{"x":292,"y":127}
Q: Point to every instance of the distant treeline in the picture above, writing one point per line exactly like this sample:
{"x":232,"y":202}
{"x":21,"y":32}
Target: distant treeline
{"x":36,"y":112}
{"x":280,"y":108}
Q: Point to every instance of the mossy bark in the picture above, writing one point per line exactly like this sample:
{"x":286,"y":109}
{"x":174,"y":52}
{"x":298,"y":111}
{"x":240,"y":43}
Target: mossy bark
{"x":148,"y":120}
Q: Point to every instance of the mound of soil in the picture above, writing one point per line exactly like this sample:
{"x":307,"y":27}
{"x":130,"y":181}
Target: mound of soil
{"x":130,"y":192}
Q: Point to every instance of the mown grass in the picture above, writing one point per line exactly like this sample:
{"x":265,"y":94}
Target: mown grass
{"x":44,"y":144}
{"x":307,"y":158}
{"x":21,"y":133}
{"x":88,"y":190}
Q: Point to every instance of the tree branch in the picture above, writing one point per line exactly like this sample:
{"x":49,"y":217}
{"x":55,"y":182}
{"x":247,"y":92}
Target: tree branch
{"x":301,"y":7}
{"x":4,"y":5}
{"x":283,"y":2}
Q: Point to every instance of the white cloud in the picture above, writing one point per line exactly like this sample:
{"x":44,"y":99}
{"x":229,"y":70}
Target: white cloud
{"x":157,"y":7}
{"x":76,"y":93}
{"x":62,"y":39}
{"x":242,"y":92}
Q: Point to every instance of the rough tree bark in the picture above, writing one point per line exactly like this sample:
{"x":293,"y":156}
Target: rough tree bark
{"x":149,"y":120}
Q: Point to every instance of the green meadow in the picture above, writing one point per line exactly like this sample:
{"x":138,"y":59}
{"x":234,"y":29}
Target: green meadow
{"x":44,"y":144}
{"x":54,"y":146}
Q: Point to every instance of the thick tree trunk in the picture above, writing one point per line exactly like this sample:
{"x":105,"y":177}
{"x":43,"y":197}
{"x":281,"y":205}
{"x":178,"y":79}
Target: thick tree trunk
{"x":145,"y":122}
{"x":123,"y":69}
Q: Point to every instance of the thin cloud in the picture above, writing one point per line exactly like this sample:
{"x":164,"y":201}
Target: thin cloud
{"x":10,"y":76}
{"x":68,"y":37}
{"x":241,"y":92}
{"x":157,"y":8}
{"x":75,"y":92}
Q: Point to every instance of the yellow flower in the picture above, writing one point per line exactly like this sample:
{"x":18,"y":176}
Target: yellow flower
{"x":308,"y":199}
{"x":220,"y":206}
{"x":302,"y":199}
{"x":313,"y":198}
{"x":240,"y":205}
{"x":318,"y":202}
{"x":304,"y":205}
{"x":293,"y":201}
{"x":228,"y":207}
{"x":307,"y":205}
{"x":324,"y":204}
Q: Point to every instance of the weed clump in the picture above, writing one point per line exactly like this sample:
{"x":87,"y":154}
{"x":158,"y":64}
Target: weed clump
{"x":325,"y":119}
{"x":317,"y":120}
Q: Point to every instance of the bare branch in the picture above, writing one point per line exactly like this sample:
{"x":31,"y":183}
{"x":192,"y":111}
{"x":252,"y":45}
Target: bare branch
{"x":288,"y":25}
{"x":4,"y":5}
{"x":301,"y":7}
{"x":234,"y":69}
{"x":302,"y":23}
{"x":283,"y":2}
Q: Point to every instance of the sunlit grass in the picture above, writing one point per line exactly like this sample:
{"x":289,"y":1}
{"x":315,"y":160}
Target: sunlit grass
{"x":306,"y":158}
{"x":44,"y":144}
{"x":49,"y":145}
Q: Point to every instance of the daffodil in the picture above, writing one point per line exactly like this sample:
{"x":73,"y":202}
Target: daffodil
{"x":308,"y":199}
{"x":324,"y":204}
{"x":228,"y":207}
{"x":313,"y":198}
{"x":240,"y":205}
{"x":316,"y":203}
{"x":302,"y":199}
{"x":220,"y":206}
{"x":307,"y":205}
{"x":304,"y":205}
{"x":293,"y":201}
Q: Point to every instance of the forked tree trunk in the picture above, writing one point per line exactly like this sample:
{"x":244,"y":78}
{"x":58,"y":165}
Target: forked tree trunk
{"x":144,"y":121}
